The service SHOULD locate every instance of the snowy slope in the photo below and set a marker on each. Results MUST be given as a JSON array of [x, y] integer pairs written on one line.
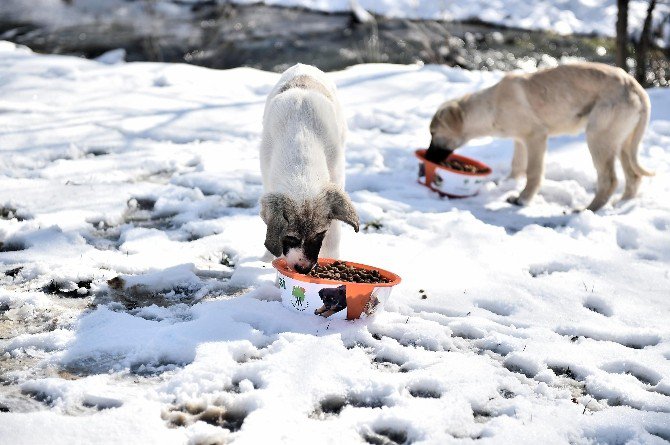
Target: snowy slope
[[560, 16], [539, 326]]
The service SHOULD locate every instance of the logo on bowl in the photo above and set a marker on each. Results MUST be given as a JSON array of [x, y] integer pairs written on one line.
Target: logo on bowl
[[298, 301]]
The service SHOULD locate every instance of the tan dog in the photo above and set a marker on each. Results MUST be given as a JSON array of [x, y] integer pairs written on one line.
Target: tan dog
[[606, 101]]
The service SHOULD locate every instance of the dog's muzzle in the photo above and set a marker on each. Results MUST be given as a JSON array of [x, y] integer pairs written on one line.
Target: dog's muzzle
[[304, 268], [437, 154]]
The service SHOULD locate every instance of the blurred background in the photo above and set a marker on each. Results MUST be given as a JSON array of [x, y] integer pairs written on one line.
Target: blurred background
[[334, 34]]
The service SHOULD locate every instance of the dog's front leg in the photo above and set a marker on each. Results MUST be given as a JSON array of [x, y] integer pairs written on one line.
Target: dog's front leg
[[536, 147], [328, 313], [330, 248], [320, 310], [519, 160]]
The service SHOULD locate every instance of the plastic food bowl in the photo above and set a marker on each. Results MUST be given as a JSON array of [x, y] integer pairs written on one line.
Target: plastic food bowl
[[306, 294], [449, 182]]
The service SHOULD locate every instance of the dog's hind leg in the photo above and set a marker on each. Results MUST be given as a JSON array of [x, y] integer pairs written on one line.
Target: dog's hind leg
[[631, 168], [603, 154], [519, 160], [536, 148], [633, 179]]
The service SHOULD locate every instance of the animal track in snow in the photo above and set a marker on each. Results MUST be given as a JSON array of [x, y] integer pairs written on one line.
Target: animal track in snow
[[517, 368], [663, 433], [333, 405], [662, 224], [101, 403], [498, 307], [386, 436], [482, 415], [598, 305], [425, 390], [216, 414], [10, 212], [537, 270], [627, 237], [641, 372], [12, 245], [69, 289], [631, 339]]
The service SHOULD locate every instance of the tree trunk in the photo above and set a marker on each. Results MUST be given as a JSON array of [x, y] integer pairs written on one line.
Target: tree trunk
[[643, 46], [622, 34]]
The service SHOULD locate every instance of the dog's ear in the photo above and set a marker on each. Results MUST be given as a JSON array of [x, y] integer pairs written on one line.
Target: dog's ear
[[451, 115], [341, 207], [276, 209]]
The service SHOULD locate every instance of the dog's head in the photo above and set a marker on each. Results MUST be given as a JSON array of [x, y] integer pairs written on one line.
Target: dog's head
[[296, 229], [334, 296], [446, 130]]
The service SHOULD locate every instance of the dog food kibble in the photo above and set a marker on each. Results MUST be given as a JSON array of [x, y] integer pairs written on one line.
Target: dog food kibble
[[462, 166], [339, 271]]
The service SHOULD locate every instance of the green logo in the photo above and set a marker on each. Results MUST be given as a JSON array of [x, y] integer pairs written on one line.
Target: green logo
[[299, 295]]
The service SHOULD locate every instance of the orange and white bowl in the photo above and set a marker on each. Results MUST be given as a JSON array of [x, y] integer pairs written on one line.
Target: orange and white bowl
[[449, 182], [300, 293]]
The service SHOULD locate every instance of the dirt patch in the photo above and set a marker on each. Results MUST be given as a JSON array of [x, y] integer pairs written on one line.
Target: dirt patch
[[214, 414], [13, 272], [69, 289], [11, 246], [7, 212]]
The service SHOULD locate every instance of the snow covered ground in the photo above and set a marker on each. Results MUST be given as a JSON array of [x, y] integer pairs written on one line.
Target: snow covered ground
[[561, 16], [538, 326]]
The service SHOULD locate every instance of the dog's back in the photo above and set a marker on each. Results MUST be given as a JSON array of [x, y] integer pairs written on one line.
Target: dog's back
[[563, 97], [303, 132]]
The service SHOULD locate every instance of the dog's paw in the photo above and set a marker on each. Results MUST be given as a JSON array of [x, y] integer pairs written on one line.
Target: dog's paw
[[516, 200], [328, 313]]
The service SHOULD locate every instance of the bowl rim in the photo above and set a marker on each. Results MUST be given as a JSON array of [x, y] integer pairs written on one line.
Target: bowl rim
[[282, 267], [421, 152]]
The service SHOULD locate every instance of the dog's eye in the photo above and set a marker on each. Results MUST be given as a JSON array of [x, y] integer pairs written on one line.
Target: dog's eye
[[291, 241]]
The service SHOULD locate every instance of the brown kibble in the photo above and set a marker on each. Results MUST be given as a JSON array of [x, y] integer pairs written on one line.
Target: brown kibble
[[461, 166], [339, 271]]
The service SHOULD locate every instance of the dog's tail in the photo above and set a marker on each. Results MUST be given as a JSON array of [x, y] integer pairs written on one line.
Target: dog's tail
[[632, 144]]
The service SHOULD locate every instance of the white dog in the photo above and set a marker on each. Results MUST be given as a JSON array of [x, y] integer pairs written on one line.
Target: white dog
[[302, 163]]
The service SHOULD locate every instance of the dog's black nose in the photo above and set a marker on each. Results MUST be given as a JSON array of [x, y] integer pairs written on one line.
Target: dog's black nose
[[303, 269], [437, 154]]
